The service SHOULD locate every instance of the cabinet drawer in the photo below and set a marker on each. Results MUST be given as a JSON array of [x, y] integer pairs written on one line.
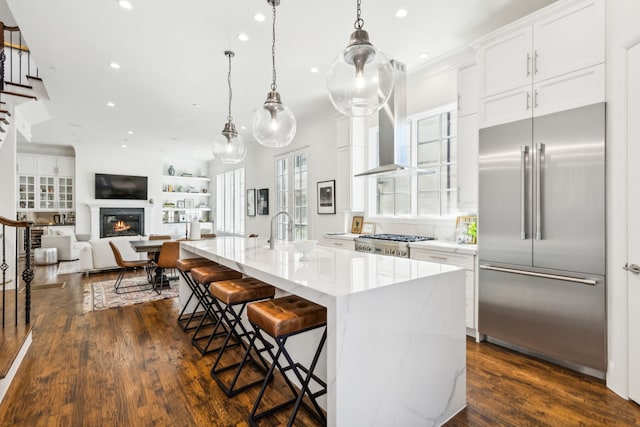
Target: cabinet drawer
[[465, 261], [343, 244]]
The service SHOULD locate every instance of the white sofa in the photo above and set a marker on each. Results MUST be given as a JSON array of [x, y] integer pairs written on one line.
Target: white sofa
[[66, 242], [98, 255]]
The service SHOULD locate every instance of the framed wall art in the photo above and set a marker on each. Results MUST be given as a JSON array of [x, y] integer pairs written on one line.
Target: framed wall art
[[180, 204], [327, 197], [262, 201], [356, 224], [188, 204], [251, 202]]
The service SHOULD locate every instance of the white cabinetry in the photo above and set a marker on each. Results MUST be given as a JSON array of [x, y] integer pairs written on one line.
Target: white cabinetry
[[185, 198], [45, 183], [550, 61], [468, 139], [349, 161], [466, 261], [345, 241]]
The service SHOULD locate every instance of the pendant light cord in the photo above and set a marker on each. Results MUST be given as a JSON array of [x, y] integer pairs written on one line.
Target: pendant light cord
[[273, 50], [359, 21], [229, 118]]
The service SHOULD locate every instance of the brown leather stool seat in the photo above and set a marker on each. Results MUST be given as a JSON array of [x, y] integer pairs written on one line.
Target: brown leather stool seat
[[186, 264], [213, 273], [282, 318], [188, 321], [287, 315], [203, 276], [231, 298]]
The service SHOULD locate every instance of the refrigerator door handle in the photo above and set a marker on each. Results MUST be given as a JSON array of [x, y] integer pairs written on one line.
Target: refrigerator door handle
[[524, 150], [581, 280], [539, 158]]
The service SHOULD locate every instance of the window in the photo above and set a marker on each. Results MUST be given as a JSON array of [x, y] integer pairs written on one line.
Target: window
[[230, 201], [292, 190], [435, 138], [433, 149]]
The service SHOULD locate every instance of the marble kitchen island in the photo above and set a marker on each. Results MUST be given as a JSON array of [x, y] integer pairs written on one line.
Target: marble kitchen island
[[395, 351]]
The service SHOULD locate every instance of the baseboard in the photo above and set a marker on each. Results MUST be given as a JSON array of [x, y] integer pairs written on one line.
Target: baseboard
[[6, 381]]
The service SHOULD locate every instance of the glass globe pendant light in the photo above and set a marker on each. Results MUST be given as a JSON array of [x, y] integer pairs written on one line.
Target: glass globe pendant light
[[273, 123], [360, 79], [228, 147]]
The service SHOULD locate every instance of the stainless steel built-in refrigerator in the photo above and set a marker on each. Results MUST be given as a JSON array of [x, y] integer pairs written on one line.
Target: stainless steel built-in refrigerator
[[541, 236]]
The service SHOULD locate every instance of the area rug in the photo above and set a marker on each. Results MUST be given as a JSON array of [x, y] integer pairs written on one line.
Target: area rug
[[68, 267], [102, 295]]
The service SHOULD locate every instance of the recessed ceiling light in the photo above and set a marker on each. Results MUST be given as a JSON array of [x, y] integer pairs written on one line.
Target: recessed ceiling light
[[243, 37], [196, 106], [110, 104], [130, 132], [125, 4], [258, 17], [243, 127], [401, 13], [424, 55], [114, 65], [124, 145], [314, 69]]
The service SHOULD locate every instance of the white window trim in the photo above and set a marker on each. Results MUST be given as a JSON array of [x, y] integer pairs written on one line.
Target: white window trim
[[371, 191], [289, 156]]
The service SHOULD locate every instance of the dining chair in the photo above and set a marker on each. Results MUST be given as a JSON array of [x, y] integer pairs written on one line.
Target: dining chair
[[128, 265], [167, 258]]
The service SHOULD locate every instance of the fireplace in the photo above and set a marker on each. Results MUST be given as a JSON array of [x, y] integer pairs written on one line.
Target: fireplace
[[121, 222]]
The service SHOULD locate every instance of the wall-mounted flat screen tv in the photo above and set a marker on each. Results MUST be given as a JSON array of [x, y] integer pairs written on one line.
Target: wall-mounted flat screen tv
[[122, 187]]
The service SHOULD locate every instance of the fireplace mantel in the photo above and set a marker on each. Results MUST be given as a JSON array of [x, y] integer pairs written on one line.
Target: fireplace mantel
[[94, 208]]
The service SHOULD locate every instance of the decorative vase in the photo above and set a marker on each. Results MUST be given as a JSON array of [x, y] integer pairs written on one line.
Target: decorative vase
[[195, 230], [172, 170]]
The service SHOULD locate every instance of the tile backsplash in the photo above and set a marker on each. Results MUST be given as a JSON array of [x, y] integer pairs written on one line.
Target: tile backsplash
[[442, 230]]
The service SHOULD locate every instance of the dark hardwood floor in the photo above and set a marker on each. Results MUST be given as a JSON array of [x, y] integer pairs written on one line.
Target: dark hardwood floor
[[133, 366]]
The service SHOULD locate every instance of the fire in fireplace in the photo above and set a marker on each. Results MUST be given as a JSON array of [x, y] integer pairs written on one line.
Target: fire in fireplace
[[121, 222]]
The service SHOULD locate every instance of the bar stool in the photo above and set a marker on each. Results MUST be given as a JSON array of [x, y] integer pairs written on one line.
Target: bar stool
[[204, 276], [282, 318], [231, 297], [184, 267]]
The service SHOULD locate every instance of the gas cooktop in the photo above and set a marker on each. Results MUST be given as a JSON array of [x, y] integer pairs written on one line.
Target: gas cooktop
[[398, 238]]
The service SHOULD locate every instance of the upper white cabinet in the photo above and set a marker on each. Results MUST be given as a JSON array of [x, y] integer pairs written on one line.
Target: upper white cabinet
[[550, 61], [45, 182], [467, 91], [350, 134], [505, 62]]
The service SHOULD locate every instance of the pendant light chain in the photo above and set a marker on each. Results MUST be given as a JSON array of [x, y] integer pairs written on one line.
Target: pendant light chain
[[229, 117], [359, 21], [273, 49]]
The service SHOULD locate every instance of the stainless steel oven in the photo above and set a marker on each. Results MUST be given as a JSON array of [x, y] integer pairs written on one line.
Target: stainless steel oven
[[388, 244]]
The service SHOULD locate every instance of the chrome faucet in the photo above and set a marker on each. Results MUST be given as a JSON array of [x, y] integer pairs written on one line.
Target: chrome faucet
[[273, 224]]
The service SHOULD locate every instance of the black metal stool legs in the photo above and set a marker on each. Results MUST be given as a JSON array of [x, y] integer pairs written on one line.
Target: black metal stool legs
[[298, 396], [235, 323]]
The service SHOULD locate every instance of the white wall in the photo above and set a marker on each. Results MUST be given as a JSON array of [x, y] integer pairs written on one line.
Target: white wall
[[622, 27], [116, 160], [319, 135]]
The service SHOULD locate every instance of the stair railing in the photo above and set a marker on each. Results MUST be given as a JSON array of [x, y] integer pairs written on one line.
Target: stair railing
[[15, 58], [27, 272]]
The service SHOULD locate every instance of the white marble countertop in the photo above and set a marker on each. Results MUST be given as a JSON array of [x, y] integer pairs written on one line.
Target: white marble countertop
[[329, 271], [446, 246]]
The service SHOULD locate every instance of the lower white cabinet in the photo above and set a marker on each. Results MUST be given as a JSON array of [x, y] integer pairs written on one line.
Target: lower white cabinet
[[337, 242], [466, 261]]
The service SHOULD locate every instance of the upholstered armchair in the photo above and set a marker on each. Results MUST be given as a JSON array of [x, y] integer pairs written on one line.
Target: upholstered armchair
[[67, 244]]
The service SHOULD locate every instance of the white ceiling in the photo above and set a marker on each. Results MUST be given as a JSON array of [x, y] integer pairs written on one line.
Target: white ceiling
[[171, 57]]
